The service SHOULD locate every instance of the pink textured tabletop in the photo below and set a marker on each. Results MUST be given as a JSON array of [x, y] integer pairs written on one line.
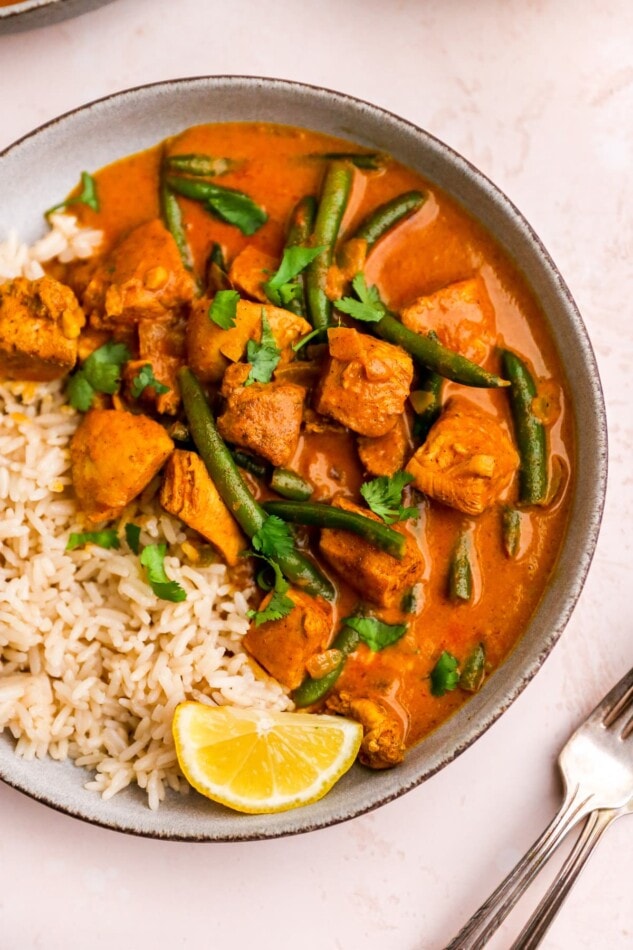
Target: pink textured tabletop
[[539, 96]]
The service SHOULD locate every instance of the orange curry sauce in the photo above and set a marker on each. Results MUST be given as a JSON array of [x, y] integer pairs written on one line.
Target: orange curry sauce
[[440, 244]]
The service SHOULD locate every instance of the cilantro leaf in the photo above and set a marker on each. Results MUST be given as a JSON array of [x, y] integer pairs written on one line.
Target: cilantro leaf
[[279, 289], [153, 560], [107, 538], [133, 536], [376, 634], [279, 605], [274, 538], [79, 392], [87, 196], [235, 208], [262, 356], [223, 309], [368, 308], [306, 339], [144, 378], [444, 675], [102, 369], [384, 497]]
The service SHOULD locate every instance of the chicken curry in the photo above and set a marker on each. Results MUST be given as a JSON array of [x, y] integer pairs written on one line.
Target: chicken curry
[[344, 387]]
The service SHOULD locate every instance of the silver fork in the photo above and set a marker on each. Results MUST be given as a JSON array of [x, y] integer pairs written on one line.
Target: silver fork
[[597, 769]]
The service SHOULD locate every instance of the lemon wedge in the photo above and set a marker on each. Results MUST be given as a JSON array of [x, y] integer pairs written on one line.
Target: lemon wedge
[[261, 762]]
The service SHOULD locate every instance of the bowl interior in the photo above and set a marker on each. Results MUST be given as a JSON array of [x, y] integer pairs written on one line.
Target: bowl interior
[[44, 165]]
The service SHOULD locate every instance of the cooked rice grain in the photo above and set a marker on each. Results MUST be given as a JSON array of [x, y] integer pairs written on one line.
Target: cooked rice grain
[[92, 663]]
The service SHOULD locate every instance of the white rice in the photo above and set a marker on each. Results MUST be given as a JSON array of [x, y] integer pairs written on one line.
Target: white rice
[[92, 663], [65, 241]]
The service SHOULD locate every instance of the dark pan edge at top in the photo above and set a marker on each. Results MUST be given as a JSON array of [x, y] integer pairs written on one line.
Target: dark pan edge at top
[[482, 710]]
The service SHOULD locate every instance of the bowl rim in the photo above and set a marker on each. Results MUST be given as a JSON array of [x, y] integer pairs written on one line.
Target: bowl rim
[[502, 697]]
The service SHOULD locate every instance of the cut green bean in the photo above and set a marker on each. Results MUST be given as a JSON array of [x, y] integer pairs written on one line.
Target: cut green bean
[[427, 400], [387, 216], [249, 463], [300, 228], [333, 202], [291, 485], [460, 575], [232, 488], [313, 690], [474, 670], [171, 214], [328, 516], [228, 204], [370, 161], [433, 356], [529, 431], [511, 530], [204, 166]]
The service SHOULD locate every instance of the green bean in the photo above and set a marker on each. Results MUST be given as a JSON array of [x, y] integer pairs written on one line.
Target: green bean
[[427, 400], [529, 431], [172, 217], [232, 489], [312, 690], [367, 160], [300, 228], [387, 216], [216, 276], [433, 356], [460, 575], [511, 530], [334, 197], [249, 463], [328, 516], [228, 204], [290, 485], [205, 166], [474, 669]]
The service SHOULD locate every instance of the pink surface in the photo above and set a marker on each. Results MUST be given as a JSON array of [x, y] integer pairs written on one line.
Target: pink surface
[[539, 96]]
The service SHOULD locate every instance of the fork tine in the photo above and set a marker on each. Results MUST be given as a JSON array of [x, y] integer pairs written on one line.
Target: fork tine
[[616, 700]]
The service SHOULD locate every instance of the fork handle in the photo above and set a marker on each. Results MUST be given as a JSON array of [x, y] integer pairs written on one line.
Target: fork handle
[[541, 919], [485, 921]]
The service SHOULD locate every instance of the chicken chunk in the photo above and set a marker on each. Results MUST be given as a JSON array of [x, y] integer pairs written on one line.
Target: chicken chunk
[[467, 461], [161, 346], [114, 455], [284, 646], [210, 349], [263, 417], [461, 315], [142, 278], [386, 454], [366, 382], [40, 321], [383, 741], [188, 492], [250, 269], [378, 576]]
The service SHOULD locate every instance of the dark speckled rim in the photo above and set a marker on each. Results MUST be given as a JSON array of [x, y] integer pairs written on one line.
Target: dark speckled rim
[[144, 115], [31, 14]]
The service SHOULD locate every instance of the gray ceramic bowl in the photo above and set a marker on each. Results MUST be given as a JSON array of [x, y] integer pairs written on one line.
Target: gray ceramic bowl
[[31, 14], [44, 165]]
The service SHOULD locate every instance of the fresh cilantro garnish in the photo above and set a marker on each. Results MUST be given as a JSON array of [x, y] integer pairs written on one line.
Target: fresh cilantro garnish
[[279, 289], [223, 309], [87, 196], [153, 560], [100, 373], [144, 378], [384, 497], [368, 307], [376, 634], [236, 208], [274, 538], [262, 356], [279, 605], [444, 675], [107, 538], [305, 340], [133, 536]]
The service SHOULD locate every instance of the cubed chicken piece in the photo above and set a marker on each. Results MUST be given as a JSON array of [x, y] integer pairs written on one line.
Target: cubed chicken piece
[[386, 454], [283, 647], [461, 315], [188, 492], [467, 461], [210, 349], [263, 417], [250, 269], [114, 456], [383, 741], [162, 346], [143, 277], [40, 321], [350, 261], [378, 576], [366, 382]]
